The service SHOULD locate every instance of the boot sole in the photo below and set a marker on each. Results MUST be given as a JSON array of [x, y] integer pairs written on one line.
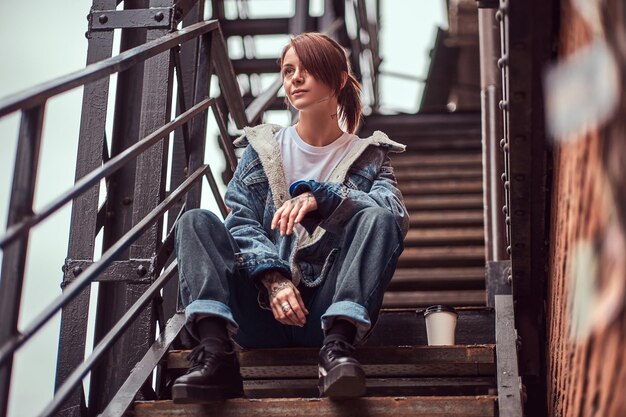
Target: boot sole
[[189, 393], [343, 381]]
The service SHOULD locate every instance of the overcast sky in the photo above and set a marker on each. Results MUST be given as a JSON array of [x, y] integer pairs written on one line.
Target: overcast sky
[[42, 40]]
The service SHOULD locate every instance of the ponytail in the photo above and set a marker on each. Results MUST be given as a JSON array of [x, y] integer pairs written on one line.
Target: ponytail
[[349, 101]]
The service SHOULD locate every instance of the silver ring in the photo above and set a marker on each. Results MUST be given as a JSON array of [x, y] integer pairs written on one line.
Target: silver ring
[[285, 306]]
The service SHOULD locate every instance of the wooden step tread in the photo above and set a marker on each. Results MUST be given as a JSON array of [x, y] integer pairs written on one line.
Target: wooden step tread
[[407, 299], [441, 187], [445, 236], [446, 218], [459, 159], [436, 173], [439, 406], [453, 386], [442, 256], [383, 361], [432, 279], [443, 202], [407, 326]]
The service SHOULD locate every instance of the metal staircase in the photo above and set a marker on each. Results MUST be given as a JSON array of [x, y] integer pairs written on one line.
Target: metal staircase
[[440, 175]]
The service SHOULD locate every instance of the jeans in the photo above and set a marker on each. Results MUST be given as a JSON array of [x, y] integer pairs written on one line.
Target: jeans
[[212, 285]]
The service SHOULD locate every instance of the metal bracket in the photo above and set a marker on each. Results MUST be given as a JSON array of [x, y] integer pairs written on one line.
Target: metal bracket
[[132, 271], [153, 18]]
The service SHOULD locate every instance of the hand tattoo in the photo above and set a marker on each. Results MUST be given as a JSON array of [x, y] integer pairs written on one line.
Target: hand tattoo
[[279, 288]]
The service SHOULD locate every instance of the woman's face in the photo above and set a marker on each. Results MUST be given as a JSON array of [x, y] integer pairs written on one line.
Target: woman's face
[[302, 89]]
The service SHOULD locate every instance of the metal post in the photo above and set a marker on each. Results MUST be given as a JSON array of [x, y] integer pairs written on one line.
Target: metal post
[[492, 133], [73, 332], [112, 296], [14, 256]]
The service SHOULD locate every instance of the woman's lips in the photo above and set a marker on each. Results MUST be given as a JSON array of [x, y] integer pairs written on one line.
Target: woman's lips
[[297, 92]]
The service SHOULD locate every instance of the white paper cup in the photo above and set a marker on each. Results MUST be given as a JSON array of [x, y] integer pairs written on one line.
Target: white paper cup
[[440, 325]]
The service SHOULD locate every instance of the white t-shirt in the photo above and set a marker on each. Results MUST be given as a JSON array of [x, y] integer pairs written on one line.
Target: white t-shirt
[[306, 162]]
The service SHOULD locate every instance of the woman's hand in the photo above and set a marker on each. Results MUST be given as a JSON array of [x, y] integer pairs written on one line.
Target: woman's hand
[[293, 211], [285, 301]]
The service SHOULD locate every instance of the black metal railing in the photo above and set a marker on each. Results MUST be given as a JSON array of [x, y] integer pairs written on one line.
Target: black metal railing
[[212, 56], [22, 218]]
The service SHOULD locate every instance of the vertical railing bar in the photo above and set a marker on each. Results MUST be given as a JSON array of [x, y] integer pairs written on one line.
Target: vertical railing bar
[[231, 158], [162, 255], [216, 193], [182, 102], [14, 256]]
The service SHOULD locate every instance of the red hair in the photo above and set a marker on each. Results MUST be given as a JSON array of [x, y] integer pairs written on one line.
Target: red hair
[[327, 61]]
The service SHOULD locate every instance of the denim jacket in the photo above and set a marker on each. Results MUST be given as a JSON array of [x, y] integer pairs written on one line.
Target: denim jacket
[[363, 179]]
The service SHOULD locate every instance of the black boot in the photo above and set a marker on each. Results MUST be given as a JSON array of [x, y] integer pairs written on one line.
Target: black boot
[[213, 375], [340, 374]]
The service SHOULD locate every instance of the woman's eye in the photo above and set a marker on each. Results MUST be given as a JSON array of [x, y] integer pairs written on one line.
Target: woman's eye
[[288, 71]]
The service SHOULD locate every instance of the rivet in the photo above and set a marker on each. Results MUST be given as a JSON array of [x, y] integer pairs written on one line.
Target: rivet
[[502, 142], [508, 221], [503, 177], [503, 61], [103, 19], [505, 210], [141, 270], [509, 279], [505, 148], [507, 185], [77, 270], [499, 15], [159, 16], [508, 250], [504, 105]]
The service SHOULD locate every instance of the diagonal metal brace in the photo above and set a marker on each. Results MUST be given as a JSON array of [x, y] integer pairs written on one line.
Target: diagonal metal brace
[[152, 18]]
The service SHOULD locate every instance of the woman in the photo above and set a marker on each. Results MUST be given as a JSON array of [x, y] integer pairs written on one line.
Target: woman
[[312, 240]]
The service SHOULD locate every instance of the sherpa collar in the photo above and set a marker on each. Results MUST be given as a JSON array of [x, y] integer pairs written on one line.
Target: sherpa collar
[[261, 138]]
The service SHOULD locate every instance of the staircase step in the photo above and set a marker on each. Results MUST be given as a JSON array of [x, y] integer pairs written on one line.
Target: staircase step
[[406, 299], [440, 406], [307, 388], [458, 160], [445, 256], [443, 202], [251, 27], [453, 144], [447, 218], [445, 236], [442, 187], [438, 279], [256, 65], [406, 326], [384, 361], [437, 173]]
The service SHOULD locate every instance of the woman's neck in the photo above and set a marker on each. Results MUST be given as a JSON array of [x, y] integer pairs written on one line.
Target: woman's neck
[[318, 129]]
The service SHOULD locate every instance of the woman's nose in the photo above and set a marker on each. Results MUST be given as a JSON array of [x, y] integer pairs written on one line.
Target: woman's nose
[[298, 76]]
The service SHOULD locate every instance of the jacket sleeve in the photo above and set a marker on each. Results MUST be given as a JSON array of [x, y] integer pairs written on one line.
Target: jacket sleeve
[[338, 203], [259, 252]]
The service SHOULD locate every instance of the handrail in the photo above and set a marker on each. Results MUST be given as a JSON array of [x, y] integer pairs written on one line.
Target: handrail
[[105, 170], [107, 341], [38, 95], [98, 267]]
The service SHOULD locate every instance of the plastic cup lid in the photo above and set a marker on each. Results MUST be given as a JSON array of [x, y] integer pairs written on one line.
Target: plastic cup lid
[[439, 308]]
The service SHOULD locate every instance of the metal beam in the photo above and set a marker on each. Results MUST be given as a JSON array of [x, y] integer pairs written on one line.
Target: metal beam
[[14, 256]]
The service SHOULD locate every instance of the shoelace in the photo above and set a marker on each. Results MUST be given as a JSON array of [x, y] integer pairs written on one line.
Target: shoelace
[[338, 349], [200, 357]]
